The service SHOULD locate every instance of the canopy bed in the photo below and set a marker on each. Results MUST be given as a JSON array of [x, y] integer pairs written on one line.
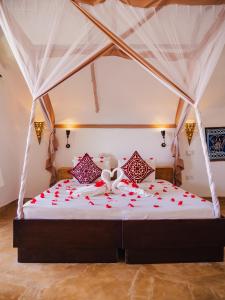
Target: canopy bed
[[177, 42]]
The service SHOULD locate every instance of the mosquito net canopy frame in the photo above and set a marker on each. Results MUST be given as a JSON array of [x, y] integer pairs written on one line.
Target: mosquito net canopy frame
[[177, 42]]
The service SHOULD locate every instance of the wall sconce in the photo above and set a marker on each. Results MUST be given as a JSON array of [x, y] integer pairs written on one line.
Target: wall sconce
[[189, 130], [163, 133], [39, 127], [67, 138]]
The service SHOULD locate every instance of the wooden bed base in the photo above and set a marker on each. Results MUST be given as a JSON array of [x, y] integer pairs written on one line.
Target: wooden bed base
[[67, 240], [143, 241], [152, 241]]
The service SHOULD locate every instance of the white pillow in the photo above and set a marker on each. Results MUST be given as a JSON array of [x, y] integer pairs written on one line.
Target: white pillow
[[151, 161]]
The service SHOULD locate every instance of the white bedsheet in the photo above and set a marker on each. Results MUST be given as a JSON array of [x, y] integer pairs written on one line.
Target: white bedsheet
[[166, 201]]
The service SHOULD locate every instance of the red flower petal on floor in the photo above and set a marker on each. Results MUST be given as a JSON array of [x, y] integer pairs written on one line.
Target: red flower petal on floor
[[123, 195], [33, 201], [108, 206], [180, 203], [135, 185], [91, 202], [133, 200], [155, 205], [87, 198], [42, 195], [172, 199], [99, 183], [130, 205]]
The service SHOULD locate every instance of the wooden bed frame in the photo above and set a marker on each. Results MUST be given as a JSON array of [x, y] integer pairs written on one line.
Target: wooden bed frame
[[143, 241]]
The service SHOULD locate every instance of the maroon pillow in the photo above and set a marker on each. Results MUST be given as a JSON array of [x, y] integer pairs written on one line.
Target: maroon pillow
[[86, 171], [136, 169]]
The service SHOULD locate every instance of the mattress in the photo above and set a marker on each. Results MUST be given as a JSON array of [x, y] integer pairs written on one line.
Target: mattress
[[165, 201]]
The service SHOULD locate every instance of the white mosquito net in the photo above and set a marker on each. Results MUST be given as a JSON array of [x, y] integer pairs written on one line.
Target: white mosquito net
[[178, 42]]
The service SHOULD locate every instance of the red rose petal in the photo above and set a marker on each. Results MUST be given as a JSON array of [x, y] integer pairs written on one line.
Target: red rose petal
[[48, 191], [54, 203], [135, 185], [156, 193], [139, 196], [192, 196], [159, 198], [203, 200], [131, 193], [91, 202], [172, 199], [108, 206], [123, 195], [33, 201], [87, 198], [42, 195], [106, 194], [180, 203], [126, 181], [130, 205], [99, 183], [155, 205], [133, 200]]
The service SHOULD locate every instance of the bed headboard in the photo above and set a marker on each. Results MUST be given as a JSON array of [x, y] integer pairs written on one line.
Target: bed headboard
[[161, 173]]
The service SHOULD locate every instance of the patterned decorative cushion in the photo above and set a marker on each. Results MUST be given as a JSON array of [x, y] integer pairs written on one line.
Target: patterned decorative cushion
[[136, 169], [86, 171]]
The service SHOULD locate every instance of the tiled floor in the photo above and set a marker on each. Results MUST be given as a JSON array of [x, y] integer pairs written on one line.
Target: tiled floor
[[103, 281]]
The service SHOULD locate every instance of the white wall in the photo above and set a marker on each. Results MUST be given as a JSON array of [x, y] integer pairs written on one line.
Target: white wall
[[127, 89], [13, 120], [212, 109]]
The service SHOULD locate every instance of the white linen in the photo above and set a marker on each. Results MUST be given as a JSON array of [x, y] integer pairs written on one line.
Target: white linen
[[165, 202], [90, 189]]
